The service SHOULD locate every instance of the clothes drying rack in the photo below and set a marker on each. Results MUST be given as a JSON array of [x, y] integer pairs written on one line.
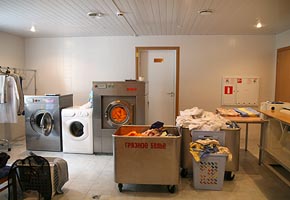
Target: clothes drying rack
[[3, 141], [17, 70]]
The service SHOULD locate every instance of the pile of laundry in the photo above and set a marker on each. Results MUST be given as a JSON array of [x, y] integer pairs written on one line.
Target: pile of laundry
[[156, 129], [196, 118], [229, 112], [238, 112], [150, 132], [203, 147], [247, 112]]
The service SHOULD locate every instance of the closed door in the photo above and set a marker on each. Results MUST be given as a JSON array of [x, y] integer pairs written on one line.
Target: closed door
[[158, 69], [282, 92]]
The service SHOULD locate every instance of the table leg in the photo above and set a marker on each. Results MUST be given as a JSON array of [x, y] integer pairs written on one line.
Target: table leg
[[261, 147], [246, 142]]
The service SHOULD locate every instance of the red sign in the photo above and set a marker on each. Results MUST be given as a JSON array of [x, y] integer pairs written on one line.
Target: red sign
[[228, 90], [145, 145], [239, 80], [131, 89]]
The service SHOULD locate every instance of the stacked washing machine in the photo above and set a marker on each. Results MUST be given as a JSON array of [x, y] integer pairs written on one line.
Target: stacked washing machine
[[77, 130]]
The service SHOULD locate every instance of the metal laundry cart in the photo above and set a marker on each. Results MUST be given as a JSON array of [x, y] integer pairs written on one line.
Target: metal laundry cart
[[147, 159], [232, 141]]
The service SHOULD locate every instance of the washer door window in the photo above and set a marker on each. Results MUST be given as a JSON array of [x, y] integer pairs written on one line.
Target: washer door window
[[119, 113], [76, 129], [42, 122]]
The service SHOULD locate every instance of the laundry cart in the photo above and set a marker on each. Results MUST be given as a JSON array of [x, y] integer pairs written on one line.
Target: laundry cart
[[232, 141], [153, 160]]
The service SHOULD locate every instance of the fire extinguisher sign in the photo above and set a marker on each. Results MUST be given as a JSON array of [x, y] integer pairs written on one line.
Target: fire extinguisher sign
[[228, 90]]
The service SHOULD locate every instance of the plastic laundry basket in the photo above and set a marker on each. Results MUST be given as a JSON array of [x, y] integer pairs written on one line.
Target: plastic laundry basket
[[209, 172]]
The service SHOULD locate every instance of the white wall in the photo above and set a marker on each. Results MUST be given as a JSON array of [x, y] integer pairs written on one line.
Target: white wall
[[283, 39], [11, 55], [11, 50], [69, 65]]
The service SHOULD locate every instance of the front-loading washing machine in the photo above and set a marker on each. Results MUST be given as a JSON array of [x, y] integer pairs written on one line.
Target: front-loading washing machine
[[115, 104], [43, 121], [77, 130]]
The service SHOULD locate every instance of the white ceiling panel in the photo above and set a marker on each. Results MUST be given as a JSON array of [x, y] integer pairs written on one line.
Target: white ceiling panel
[[65, 18]]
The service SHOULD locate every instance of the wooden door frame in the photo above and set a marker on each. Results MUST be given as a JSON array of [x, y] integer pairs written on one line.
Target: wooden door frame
[[177, 60], [279, 89]]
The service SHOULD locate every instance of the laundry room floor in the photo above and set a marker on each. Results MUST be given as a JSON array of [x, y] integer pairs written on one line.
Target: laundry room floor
[[92, 177]]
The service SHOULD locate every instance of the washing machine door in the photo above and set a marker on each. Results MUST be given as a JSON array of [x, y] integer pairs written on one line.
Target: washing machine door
[[42, 122], [76, 129], [119, 113]]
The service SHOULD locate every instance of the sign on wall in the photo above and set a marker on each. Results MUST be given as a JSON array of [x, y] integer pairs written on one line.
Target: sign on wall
[[241, 91]]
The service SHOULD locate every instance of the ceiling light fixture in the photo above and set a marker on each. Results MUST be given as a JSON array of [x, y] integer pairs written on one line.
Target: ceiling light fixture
[[120, 14], [95, 14], [259, 25], [32, 29], [205, 12]]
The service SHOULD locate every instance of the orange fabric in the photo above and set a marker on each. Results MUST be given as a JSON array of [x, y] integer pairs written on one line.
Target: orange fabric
[[119, 114], [133, 133]]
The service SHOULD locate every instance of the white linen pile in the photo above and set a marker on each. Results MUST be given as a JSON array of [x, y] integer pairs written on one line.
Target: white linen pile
[[196, 118]]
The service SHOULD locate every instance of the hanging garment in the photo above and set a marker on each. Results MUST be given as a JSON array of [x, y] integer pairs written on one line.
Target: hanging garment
[[17, 78], [8, 110], [2, 88]]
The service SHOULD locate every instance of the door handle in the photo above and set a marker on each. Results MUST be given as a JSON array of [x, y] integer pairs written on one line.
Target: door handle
[[171, 94]]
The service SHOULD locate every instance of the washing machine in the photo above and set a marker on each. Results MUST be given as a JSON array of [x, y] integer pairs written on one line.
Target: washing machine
[[116, 103], [43, 121], [77, 130]]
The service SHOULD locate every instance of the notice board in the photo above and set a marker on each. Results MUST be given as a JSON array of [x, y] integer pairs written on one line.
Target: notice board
[[240, 91]]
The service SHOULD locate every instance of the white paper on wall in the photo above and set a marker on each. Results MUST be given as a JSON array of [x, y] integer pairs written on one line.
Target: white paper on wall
[[242, 91]]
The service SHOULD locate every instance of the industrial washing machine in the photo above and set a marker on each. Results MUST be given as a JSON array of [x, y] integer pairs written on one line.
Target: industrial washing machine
[[43, 121], [116, 104]]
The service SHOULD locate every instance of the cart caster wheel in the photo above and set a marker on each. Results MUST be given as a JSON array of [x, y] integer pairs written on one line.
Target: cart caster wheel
[[120, 186], [229, 176], [171, 188], [183, 173]]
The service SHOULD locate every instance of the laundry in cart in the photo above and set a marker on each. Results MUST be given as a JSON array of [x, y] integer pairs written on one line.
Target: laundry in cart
[[194, 120], [147, 156]]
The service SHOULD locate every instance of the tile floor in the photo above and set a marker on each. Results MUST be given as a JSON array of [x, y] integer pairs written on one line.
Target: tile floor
[[92, 177]]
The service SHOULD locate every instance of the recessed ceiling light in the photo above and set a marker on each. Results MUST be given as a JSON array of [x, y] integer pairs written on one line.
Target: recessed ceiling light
[[259, 25], [120, 14], [32, 29], [205, 12]]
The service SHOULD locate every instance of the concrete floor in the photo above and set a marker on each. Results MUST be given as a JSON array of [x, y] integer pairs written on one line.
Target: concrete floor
[[92, 177]]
